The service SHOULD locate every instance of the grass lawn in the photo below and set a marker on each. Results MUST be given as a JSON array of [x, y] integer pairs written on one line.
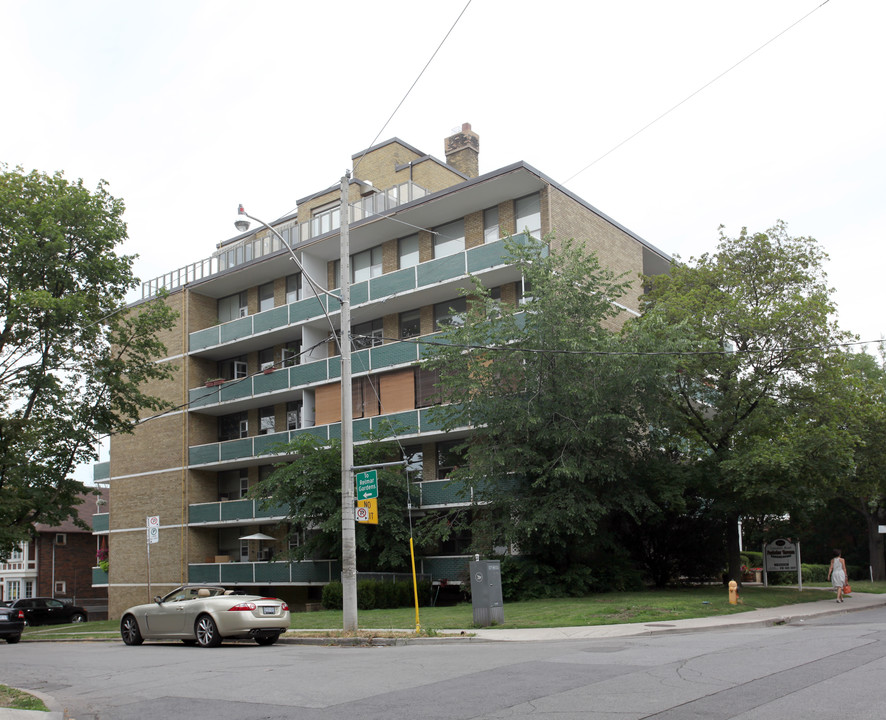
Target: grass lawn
[[20, 700], [602, 609]]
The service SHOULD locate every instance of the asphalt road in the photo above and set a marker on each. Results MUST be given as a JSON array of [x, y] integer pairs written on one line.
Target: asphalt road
[[826, 668]]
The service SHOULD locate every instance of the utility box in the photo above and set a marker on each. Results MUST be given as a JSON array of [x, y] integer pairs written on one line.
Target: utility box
[[486, 592]]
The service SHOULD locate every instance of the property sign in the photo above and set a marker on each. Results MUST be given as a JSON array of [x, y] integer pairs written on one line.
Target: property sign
[[780, 556], [367, 511], [153, 529], [367, 485]]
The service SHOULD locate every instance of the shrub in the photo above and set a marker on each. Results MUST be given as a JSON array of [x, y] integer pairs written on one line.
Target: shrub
[[332, 596]]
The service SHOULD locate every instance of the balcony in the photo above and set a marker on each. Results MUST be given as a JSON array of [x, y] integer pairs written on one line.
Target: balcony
[[99, 577], [426, 274], [234, 512], [318, 372], [307, 572], [452, 568], [410, 422], [101, 524]]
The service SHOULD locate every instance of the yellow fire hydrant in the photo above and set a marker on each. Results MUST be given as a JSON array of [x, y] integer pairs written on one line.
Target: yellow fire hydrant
[[733, 592]]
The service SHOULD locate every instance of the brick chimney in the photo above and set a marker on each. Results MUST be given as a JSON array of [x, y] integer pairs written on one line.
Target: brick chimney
[[463, 151]]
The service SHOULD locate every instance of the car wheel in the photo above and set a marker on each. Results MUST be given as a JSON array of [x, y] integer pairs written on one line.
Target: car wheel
[[13, 639], [130, 632], [267, 639], [207, 632], [78, 618]]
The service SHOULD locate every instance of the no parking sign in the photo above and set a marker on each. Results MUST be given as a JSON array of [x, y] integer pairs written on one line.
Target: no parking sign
[[153, 529]]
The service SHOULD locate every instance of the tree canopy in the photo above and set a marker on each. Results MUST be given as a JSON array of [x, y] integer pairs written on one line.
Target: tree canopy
[[562, 411], [73, 361], [760, 317]]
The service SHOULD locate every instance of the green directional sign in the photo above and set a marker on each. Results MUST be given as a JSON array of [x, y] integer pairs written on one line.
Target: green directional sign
[[367, 484]]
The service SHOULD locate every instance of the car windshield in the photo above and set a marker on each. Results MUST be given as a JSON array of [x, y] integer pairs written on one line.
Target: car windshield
[[191, 593]]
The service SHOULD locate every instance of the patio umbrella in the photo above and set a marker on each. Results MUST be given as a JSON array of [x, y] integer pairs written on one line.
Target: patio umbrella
[[258, 536]]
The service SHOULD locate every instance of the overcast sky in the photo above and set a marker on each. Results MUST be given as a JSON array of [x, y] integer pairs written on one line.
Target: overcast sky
[[189, 108]]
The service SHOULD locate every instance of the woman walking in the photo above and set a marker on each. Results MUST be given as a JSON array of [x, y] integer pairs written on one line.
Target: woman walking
[[837, 574]]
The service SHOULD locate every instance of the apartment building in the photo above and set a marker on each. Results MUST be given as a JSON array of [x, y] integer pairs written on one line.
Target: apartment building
[[255, 361]]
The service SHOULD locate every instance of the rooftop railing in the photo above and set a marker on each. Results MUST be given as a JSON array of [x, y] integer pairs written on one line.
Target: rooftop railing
[[261, 243]]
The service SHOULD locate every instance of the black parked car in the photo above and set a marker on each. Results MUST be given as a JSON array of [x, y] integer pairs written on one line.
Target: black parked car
[[12, 622], [48, 611]]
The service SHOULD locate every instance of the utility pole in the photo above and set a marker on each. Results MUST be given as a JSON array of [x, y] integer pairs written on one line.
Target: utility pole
[[348, 533]]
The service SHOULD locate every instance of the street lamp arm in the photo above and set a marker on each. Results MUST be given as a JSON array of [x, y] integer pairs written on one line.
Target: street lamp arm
[[317, 289]]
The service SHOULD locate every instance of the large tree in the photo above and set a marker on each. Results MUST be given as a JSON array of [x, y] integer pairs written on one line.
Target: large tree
[[73, 361], [561, 413], [760, 316]]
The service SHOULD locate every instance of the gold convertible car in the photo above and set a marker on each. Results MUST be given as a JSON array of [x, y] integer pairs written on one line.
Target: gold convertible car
[[205, 615]]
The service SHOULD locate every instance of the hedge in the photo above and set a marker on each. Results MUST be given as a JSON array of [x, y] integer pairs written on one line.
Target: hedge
[[378, 594]]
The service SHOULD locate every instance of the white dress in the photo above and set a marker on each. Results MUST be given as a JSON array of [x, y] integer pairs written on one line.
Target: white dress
[[838, 577]]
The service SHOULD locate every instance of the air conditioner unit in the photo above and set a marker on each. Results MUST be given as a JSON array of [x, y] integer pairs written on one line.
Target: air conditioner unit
[[267, 365], [244, 312]]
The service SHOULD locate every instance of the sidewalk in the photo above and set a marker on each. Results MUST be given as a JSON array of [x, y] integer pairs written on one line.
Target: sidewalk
[[783, 615]]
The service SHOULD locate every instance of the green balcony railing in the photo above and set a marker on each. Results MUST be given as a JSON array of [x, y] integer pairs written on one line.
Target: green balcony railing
[[233, 510], [100, 523], [261, 445], [307, 572], [377, 289], [99, 577]]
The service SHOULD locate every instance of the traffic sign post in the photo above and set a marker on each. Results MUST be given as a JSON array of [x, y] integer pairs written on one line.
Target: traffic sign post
[[153, 527], [367, 484]]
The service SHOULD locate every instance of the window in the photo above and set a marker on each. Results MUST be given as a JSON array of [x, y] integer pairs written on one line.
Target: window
[[325, 218], [407, 251], [414, 462], [291, 353], [29, 588], [233, 368], [368, 334], [448, 458], [61, 539], [449, 239], [266, 359], [265, 297], [450, 313], [13, 589], [266, 420], [59, 588], [293, 414], [232, 427], [528, 214], [366, 264], [490, 225], [232, 307], [293, 288], [233, 484], [17, 554], [426, 387], [410, 324]]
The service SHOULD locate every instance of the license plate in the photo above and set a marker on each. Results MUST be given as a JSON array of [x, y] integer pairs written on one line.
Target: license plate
[[268, 610], [4, 617]]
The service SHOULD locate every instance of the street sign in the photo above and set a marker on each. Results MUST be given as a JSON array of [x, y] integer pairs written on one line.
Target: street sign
[[367, 484], [153, 529], [367, 511]]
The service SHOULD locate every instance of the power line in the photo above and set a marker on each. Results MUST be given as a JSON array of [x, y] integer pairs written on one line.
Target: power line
[[689, 97], [445, 37]]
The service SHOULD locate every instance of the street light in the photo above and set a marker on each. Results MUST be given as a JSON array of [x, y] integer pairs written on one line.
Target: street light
[[348, 533]]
